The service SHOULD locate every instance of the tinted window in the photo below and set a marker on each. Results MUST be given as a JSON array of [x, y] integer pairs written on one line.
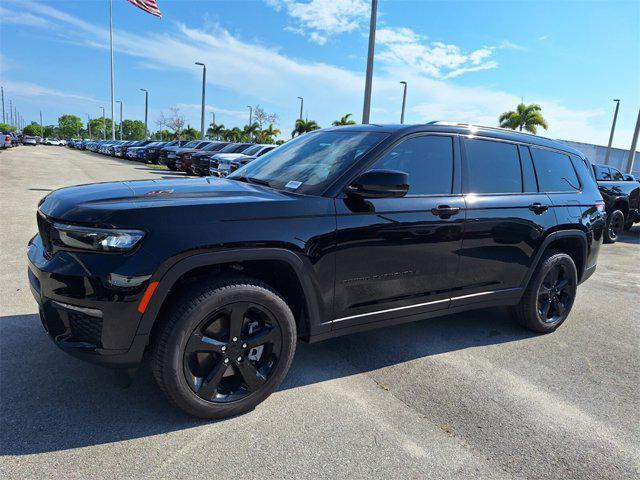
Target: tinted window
[[602, 172], [616, 175], [555, 171], [428, 160], [528, 173], [492, 167]]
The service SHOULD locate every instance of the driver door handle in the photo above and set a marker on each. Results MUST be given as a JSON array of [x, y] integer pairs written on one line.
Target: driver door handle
[[538, 207], [445, 211]]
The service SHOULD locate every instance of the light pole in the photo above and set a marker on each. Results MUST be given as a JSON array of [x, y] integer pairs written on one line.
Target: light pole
[[120, 102], [204, 82], [89, 126], [301, 106], [146, 111], [11, 112], [613, 128], [104, 125], [250, 114], [113, 88], [4, 118], [366, 109], [404, 101], [41, 126], [634, 144]]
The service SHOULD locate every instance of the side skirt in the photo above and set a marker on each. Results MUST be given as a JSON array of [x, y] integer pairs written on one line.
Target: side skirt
[[458, 304]]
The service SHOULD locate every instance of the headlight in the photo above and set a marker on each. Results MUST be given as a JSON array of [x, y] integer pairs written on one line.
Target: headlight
[[102, 240]]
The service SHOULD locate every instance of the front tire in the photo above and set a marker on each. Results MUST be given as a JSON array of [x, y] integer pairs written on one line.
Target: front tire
[[615, 225], [224, 348], [547, 301]]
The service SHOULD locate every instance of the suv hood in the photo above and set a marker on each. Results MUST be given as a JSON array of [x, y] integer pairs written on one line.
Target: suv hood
[[99, 203]]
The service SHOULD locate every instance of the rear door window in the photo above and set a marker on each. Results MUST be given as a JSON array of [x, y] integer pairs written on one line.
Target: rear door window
[[492, 167], [555, 171]]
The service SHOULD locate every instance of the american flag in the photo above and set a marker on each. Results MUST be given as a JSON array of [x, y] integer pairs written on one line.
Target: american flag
[[149, 6]]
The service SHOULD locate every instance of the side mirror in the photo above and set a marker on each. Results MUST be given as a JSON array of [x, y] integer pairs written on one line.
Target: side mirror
[[380, 184]]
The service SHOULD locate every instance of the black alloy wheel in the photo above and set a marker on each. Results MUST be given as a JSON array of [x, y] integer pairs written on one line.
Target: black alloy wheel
[[555, 294], [615, 226], [224, 345], [233, 352], [548, 298]]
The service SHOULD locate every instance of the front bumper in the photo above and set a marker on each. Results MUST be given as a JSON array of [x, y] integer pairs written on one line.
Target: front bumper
[[82, 312]]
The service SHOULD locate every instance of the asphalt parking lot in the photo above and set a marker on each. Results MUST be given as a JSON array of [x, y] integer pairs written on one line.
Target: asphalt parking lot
[[464, 396]]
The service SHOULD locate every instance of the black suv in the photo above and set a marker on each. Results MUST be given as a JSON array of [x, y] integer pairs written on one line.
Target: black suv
[[621, 195], [336, 231]]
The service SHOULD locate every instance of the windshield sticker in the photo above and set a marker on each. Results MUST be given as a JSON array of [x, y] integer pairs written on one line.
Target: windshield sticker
[[293, 185]]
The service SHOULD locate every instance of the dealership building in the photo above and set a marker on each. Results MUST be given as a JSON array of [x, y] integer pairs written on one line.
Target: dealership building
[[618, 157]]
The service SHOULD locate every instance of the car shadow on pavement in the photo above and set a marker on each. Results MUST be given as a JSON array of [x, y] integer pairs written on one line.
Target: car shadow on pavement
[[631, 236], [51, 401]]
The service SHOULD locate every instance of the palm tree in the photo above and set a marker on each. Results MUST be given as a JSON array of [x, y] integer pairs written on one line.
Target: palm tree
[[344, 121], [266, 135], [304, 126], [250, 131], [235, 135], [528, 117], [216, 130]]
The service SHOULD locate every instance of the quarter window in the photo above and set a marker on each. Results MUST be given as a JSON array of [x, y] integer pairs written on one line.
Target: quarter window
[[428, 160], [602, 172], [492, 167], [616, 175], [555, 171]]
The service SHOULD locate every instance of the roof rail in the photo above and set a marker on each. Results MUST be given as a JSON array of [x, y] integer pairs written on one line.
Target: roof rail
[[498, 129]]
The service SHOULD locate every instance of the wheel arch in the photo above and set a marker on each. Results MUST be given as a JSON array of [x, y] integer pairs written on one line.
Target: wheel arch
[[572, 242], [622, 204], [298, 270]]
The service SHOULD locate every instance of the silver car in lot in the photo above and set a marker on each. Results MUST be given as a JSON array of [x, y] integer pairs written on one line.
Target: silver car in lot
[[28, 140], [220, 164]]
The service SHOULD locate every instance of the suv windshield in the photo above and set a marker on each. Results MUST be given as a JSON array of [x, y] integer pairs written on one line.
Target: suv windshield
[[252, 150], [191, 144], [311, 162]]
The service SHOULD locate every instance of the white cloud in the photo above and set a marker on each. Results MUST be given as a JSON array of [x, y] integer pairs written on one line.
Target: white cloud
[[320, 19], [30, 90], [265, 75], [402, 47], [21, 18]]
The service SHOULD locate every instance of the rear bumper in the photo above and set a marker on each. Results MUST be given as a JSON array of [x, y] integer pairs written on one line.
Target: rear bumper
[[81, 313]]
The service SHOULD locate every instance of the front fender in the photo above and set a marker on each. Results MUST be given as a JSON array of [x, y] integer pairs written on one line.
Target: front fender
[[168, 275]]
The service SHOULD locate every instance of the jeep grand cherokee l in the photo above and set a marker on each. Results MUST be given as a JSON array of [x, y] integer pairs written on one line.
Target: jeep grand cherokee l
[[336, 231]]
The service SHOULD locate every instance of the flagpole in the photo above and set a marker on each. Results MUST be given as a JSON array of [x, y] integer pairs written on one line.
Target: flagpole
[[113, 88]]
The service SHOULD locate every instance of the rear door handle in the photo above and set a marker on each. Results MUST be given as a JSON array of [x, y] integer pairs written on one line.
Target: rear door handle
[[538, 207], [445, 211]]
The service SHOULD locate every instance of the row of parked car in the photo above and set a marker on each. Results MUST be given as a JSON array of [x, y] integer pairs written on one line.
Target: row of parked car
[[12, 139], [195, 157]]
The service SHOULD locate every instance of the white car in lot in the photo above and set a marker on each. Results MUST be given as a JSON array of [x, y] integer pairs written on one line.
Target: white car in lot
[[220, 164], [53, 141]]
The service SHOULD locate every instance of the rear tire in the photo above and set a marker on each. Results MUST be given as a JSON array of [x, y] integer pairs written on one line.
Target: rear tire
[[547, 300], [614, 226], [223, 348]]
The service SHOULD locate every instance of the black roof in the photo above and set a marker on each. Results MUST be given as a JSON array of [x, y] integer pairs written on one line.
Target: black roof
[[463, 129]]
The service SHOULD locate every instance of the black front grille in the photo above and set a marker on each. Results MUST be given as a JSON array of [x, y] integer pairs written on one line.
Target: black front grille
[[84, 328], [45, 227]]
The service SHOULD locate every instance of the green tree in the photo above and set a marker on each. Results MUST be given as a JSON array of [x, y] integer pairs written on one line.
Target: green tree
[[304, 126], [133, 129], [250, 131], [190, 133], [33, 130], [268, 134], [345, 120], [528, 117], [234, 135], [51, 131], [162, 135], [69, 126], [215, 131], [5, 127]]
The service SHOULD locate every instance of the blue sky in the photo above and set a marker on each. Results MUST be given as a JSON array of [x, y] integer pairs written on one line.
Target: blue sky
[[464, 61]]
